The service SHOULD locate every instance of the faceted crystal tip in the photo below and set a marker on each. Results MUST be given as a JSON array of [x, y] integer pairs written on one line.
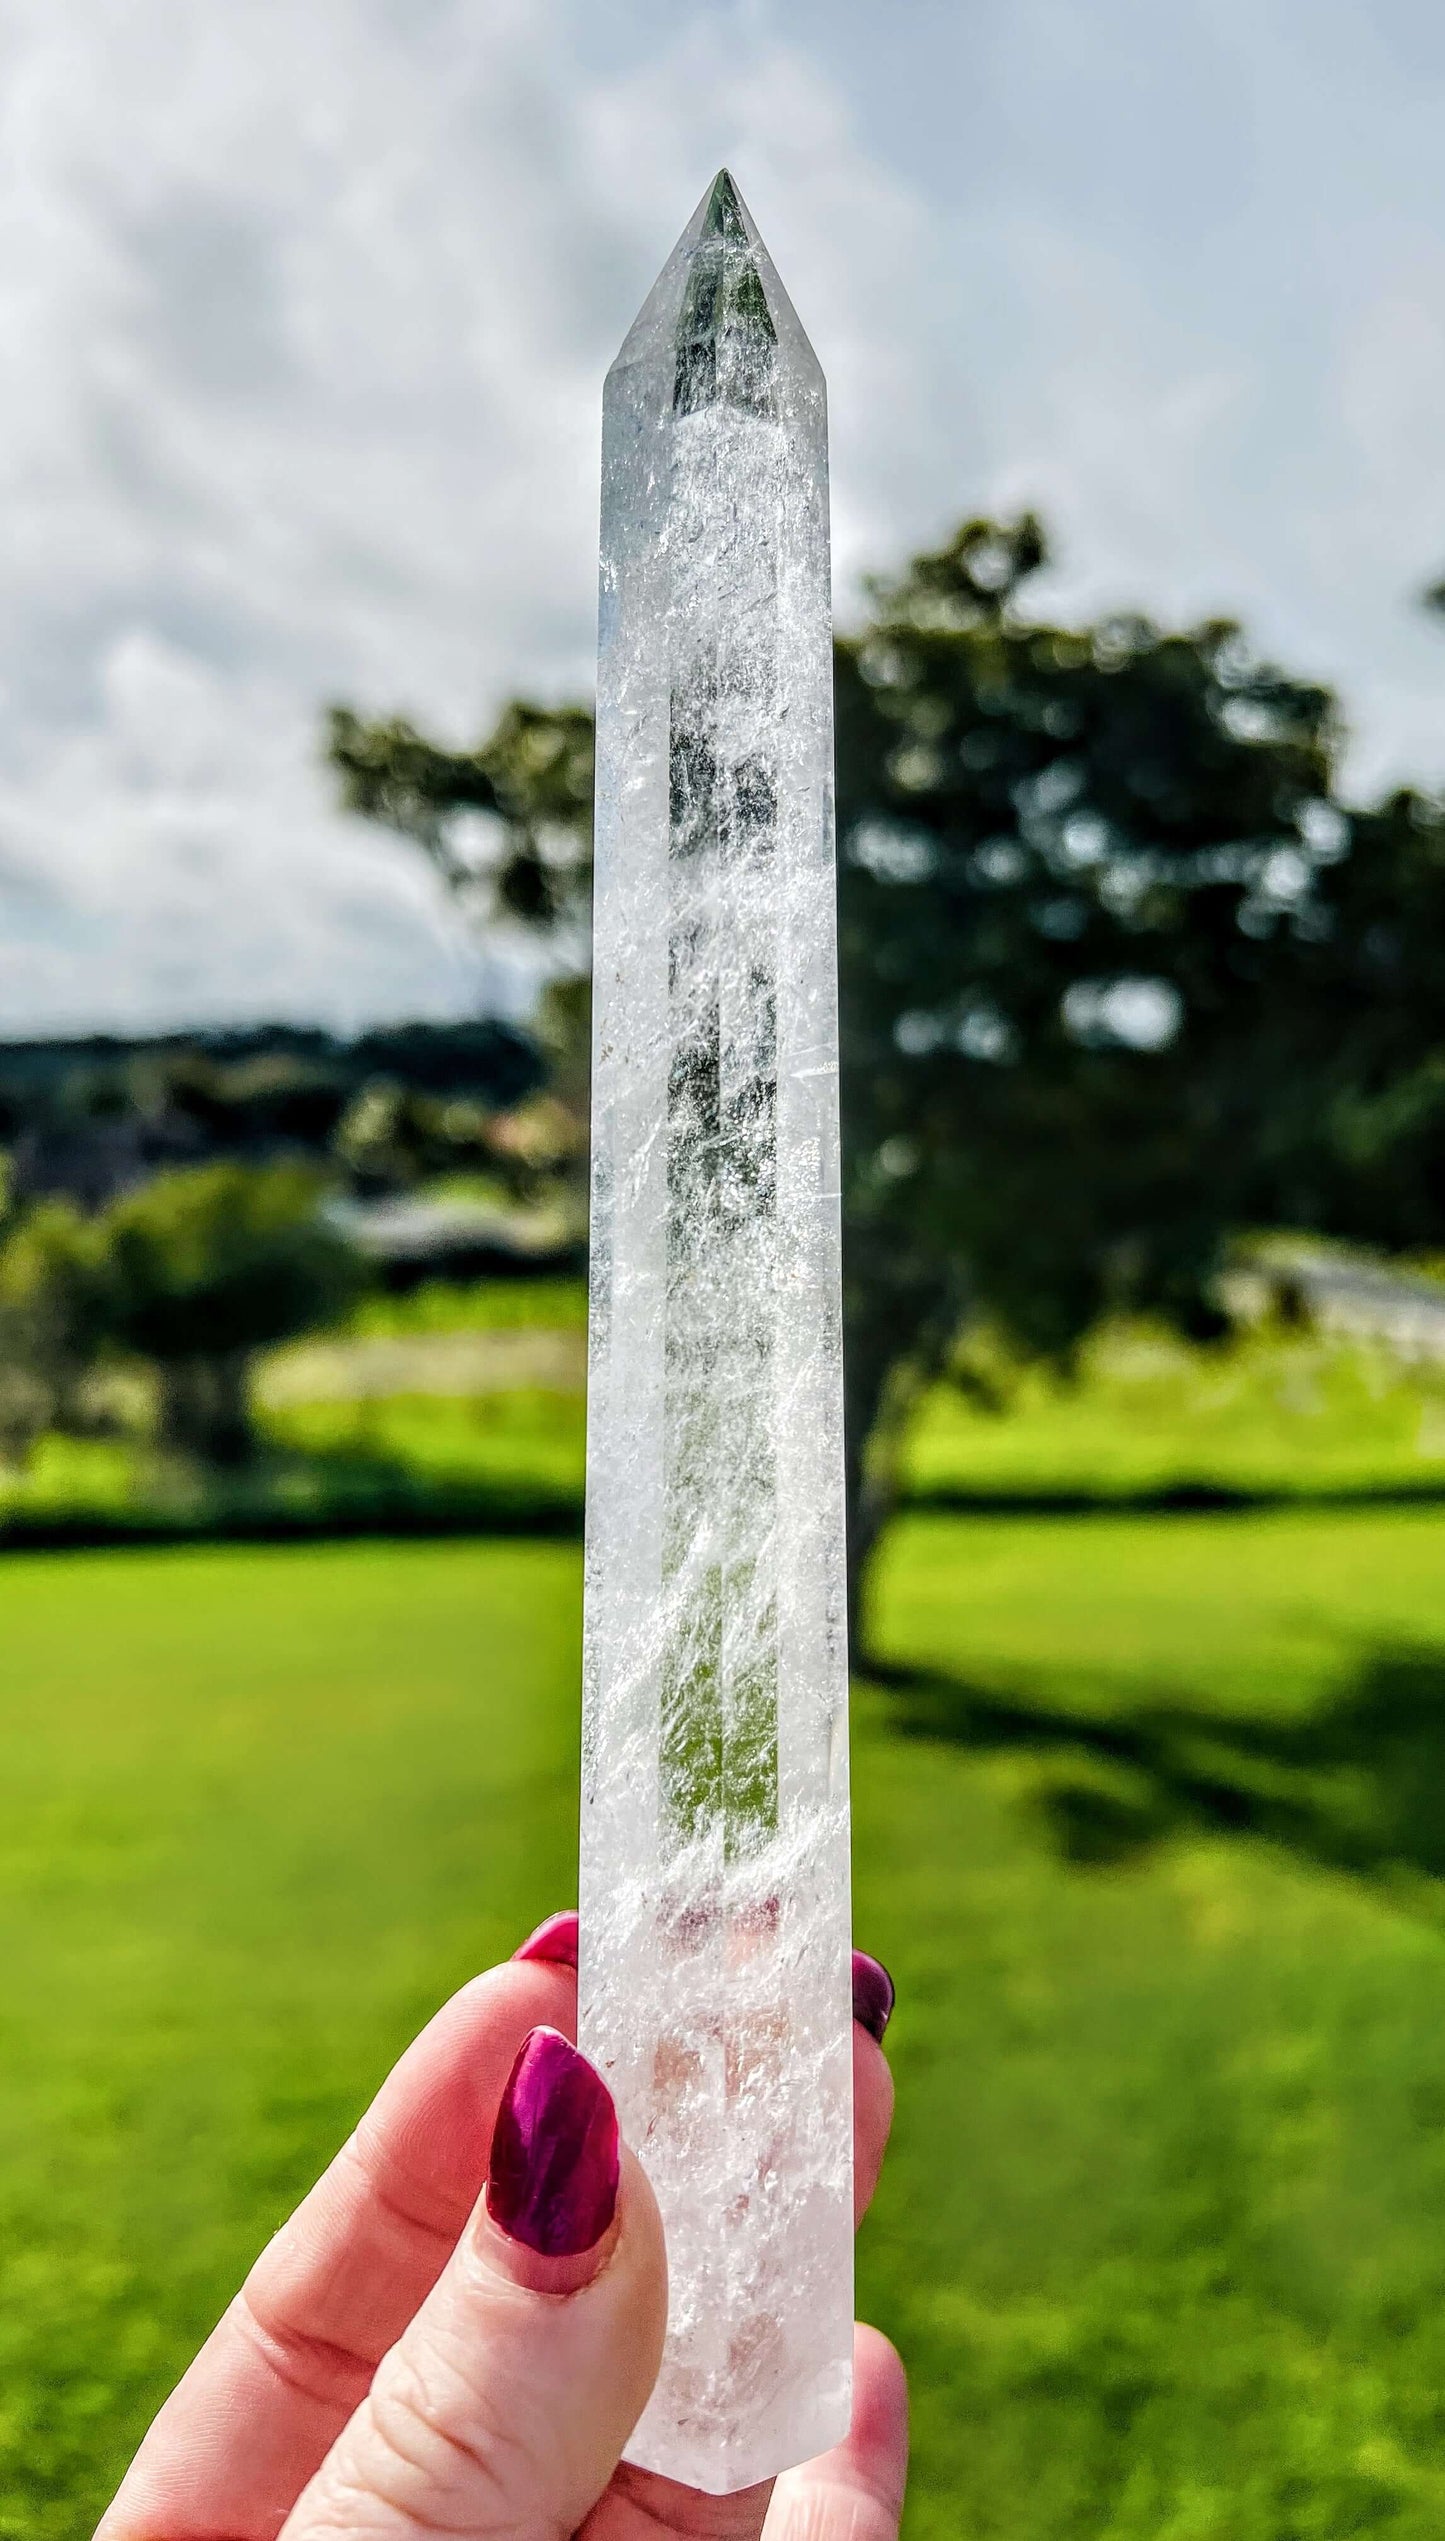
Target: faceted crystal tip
[[724, 215], [726, 340], [717, 328]]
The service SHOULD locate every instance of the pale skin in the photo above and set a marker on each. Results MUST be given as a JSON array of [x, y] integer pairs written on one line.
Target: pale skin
[[397, 2368]]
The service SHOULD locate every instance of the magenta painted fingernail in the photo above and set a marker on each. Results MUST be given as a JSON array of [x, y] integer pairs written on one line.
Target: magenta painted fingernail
[[552, 2177], [873, 1994], [555, 1940]]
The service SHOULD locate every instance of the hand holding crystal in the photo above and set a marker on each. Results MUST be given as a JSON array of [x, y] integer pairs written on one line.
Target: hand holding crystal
[[458, 2328]]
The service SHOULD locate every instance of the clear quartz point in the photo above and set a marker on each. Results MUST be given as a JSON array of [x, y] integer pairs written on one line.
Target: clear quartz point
[[715, 1975]]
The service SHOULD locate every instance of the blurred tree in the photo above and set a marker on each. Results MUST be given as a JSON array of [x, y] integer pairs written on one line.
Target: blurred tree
[[505, 825], [508, 828], [56, 1317], [255, 1107], [1079, 869], [488, 1063], [1119, 975], [392, 1138], [1372, 1016], [209, 1267]]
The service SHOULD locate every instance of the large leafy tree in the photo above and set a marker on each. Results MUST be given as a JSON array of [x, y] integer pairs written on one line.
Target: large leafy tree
[[1120, 975]]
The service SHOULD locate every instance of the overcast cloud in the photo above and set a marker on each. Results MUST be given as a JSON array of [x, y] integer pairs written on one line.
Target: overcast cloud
[[304, 307]]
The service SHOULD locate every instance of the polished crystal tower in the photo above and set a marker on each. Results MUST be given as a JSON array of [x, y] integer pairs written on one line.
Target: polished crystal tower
[[714, 1885]]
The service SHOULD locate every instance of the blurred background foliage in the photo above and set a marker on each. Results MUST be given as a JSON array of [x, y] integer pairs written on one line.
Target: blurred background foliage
[[1124, 980], [1123, 984], [1121, 977]]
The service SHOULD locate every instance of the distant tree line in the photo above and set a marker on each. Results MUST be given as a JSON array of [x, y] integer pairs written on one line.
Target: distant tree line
[[87, 1119]]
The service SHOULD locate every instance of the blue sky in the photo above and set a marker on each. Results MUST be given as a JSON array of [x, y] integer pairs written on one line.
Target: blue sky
[[303, 317]]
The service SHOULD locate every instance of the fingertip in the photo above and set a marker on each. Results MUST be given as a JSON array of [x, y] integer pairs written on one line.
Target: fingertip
[[553, 2170], [554, 1941], [878, 2436], [880, 2377], [857, 2488], [872, 2116]]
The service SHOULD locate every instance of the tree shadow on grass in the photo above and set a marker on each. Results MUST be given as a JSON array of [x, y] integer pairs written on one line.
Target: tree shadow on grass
[[1357, 1785]]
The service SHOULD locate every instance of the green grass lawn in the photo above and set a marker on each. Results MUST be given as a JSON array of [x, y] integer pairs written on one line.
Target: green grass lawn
[[1276, 1414], [1289, 1413], [483, 1305], [1150, 1825]]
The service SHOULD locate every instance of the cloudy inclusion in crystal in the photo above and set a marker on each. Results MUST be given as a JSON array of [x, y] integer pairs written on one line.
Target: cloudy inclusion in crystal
[[714, 1886]]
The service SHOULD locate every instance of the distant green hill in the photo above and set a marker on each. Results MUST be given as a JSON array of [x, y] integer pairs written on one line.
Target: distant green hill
[[91, 1116]]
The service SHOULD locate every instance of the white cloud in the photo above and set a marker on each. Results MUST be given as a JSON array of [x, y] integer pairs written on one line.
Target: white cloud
[[303, 318]]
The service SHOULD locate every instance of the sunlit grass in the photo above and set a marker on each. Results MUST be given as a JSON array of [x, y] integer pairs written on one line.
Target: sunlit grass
[[1163, 2234], [490, 1305], [523, 1437], [1272, 1414], [1268, 1412]]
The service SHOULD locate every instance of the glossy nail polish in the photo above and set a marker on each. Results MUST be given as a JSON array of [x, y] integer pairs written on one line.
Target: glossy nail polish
[[873, 1995], [552, 2177], [554, 1940]]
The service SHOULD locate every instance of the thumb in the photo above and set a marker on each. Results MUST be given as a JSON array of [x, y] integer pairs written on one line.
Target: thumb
[[505, 2405]]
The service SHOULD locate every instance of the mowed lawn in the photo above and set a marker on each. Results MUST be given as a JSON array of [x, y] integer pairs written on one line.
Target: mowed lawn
[[1151, 1828]]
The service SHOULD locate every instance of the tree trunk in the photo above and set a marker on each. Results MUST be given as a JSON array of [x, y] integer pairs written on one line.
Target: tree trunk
[[870, 1491], [891, 1355], [205, 1410]]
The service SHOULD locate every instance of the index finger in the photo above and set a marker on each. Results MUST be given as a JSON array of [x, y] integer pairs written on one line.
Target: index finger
[[292, 2358]]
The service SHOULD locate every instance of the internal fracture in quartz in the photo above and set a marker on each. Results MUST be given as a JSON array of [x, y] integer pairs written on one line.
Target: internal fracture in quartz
[[715, 1910]]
